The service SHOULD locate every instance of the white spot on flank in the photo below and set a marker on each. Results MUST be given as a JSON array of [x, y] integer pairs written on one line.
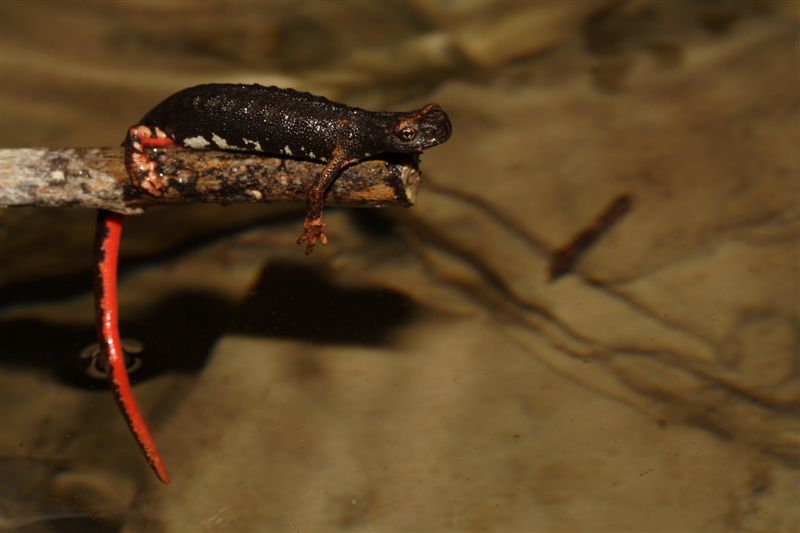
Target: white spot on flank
[[222, 143], [287, 150], [256, 144], [197, 143], [312, 155]]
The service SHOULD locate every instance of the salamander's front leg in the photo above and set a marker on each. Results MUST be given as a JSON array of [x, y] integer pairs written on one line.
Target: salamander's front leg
[[109, 231], [313, 226], [141, 169]]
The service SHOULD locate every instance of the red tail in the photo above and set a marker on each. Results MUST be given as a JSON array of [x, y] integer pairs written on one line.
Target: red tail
[[109, 231]]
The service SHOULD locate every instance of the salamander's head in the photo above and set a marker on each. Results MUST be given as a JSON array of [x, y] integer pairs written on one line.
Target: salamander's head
[[415, 131]]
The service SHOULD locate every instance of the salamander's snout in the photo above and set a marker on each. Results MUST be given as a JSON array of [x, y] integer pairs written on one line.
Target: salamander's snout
[[435, 127], [421, 129]]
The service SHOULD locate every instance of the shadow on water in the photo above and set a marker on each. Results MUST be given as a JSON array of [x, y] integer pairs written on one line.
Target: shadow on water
[[178, 333], [300, 302]]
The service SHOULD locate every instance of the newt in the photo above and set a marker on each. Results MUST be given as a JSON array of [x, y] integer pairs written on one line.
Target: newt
[[251, 118], [282, 122]]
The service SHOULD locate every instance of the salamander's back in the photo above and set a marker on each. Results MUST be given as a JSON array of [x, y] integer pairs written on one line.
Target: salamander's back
[[256, 118]]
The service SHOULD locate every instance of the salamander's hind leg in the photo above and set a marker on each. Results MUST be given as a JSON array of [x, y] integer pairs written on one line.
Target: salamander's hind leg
[[141, 169], [313, 226]]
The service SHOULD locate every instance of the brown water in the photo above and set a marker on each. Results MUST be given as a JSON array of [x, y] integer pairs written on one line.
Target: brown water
[[421, 372]]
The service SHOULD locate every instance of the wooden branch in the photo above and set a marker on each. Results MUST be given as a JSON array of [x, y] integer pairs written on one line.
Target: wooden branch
[[96, 178]]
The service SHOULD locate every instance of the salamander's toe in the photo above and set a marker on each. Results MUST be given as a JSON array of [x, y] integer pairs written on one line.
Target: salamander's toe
[[313, 230]]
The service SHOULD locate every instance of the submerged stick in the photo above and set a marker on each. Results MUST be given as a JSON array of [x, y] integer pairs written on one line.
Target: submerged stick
[[564, 258], [96, 178]]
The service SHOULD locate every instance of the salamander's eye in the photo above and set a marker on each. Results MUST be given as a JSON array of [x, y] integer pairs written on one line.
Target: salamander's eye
[[407, 134]]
